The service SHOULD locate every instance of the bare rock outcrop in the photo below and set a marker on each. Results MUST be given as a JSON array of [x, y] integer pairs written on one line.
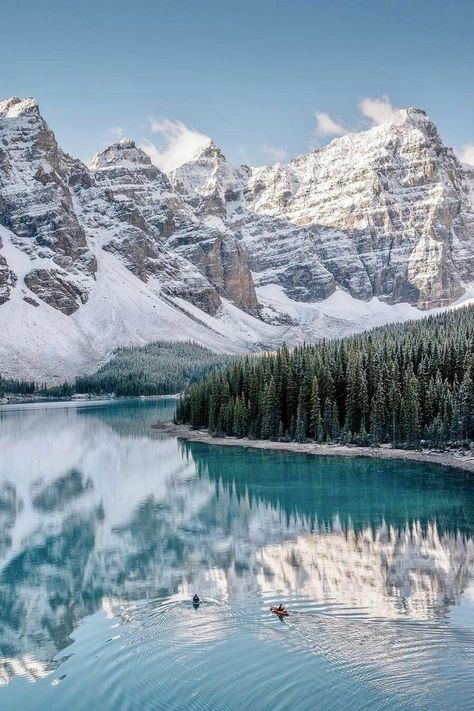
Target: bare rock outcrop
[[57, 291], [238, 256]]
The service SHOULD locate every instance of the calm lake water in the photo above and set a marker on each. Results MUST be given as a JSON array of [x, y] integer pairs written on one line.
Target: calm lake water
[[107, 529]]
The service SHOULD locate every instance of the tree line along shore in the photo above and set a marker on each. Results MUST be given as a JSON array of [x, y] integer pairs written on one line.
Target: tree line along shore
[[409, 385], [159, 368], [458, 458]]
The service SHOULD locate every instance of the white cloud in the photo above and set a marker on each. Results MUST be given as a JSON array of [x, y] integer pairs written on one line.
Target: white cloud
[[179, 144], [327, 126], [278, 155], [117, 132], [466, 154], [377, 110]]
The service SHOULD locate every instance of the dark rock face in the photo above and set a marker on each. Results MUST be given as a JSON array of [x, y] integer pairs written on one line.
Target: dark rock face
[[51, 287], [35, 200], [7, 280], [30, 301], [223, 261], [228, 268]]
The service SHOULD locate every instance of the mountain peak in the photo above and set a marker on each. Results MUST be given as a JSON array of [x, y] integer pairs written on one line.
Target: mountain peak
[[123, 153], [403, 121], [415, 111], [412, 118], [126, 143], [410, 115], [209, 151], [15, 106]]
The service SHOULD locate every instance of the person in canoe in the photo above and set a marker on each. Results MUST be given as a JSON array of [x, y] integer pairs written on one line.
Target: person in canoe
[[280, 610], [196, 599]]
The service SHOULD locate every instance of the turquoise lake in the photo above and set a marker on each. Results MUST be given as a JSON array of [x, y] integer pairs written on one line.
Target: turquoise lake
[[108, 527]]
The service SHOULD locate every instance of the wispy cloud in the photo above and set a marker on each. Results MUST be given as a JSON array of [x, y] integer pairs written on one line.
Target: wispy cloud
[[179, 144], [378, 110], [327, 126], [277, 155], [466, 154], [117, 132]]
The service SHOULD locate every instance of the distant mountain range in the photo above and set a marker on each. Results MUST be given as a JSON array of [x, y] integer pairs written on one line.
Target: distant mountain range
[[377, 226]]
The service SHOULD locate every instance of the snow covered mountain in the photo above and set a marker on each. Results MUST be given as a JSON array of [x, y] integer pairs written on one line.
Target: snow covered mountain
[[375, 227]]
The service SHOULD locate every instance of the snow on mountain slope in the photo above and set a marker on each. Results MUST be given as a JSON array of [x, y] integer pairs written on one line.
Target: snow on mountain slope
[[386, 212], [41, 342], [36, 204], [370, 229]]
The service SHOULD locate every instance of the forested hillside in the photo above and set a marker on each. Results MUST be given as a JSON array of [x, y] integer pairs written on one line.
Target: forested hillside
[[405, 384], [158, 368], [154, 369], [18, 387]]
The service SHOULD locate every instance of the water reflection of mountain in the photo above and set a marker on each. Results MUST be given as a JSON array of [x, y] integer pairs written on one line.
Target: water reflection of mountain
[[89, 513], [146, 412], [360, 492]]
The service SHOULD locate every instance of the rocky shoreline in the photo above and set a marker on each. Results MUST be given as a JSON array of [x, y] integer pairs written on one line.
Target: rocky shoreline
[[457, 459]]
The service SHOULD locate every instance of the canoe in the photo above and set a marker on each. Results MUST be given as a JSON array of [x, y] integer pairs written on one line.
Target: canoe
[[280, 613]]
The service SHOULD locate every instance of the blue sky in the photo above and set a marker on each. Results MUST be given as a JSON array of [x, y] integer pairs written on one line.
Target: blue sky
[[250, 74]]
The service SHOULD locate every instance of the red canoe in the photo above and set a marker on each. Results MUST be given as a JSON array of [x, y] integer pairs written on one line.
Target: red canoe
[[280, 613]]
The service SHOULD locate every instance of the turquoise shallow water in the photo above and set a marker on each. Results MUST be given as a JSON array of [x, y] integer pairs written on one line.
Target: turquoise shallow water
[[107, 528]]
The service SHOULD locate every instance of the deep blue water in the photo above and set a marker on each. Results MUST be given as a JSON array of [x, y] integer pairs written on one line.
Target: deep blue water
[[107, 528]]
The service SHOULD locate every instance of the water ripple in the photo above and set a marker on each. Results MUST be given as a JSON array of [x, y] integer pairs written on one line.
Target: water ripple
[[400, 663]]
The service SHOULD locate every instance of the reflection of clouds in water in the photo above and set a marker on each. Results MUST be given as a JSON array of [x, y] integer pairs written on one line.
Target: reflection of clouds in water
[[469, 593], [385, 573], [174, 620], [406, 661], [97, 517], [26, 666], [37, 450]]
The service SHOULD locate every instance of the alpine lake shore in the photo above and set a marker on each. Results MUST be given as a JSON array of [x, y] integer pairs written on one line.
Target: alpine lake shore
[[458, 459]]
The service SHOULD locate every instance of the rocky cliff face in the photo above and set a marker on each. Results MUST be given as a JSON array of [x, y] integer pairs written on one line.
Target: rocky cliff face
[[157, 235], [36, 204], [7, 280], [244, 253], [387, 213], [60, 210], [130, 210]]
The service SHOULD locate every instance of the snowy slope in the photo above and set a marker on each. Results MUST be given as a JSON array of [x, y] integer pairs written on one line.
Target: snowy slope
[[43, 343], [386, 212], [373, 228]]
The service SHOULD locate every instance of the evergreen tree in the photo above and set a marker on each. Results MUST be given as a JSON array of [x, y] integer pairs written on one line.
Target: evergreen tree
[[270, 412], [410, 411], [403, 383], [315, 421], [466, 405], [300, 430], [377, 414]]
